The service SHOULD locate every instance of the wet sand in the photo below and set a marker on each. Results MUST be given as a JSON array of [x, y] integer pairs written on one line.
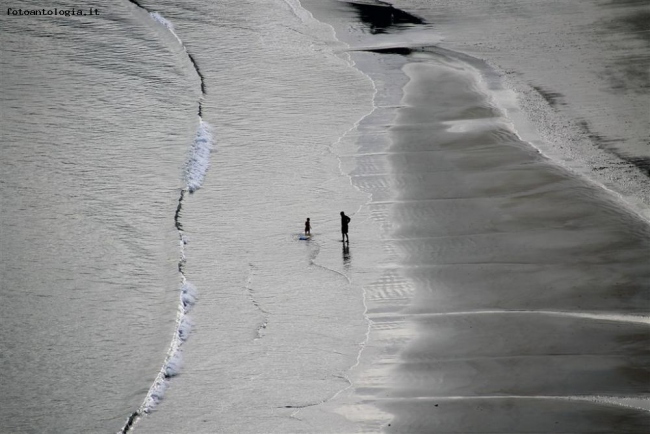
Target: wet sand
[[516, 294], [515, 291], [581, 72]]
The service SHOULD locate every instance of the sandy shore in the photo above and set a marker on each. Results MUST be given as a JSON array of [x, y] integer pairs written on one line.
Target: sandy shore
[[514, 291], [514, 294], [581, 72], [525, 278]]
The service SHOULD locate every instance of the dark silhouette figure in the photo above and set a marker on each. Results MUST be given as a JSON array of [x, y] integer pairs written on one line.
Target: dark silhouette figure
[[307, 227], [384, 18], [345, 220]]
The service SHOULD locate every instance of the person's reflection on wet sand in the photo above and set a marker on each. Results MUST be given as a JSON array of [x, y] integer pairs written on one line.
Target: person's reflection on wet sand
[[346, 256]]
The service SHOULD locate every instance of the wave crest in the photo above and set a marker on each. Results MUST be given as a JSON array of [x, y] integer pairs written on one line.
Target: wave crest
[[198, 160]]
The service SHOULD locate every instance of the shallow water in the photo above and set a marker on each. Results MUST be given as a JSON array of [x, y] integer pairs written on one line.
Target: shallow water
[[278, 321], [480, 279], [92, 152]]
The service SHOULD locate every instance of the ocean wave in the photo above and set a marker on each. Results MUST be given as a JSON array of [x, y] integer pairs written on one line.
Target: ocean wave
[[196, 167], [174, 360], [188, 296], [198, 161], [160, 19]]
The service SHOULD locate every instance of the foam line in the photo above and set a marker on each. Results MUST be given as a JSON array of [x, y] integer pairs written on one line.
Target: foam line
[[198, 161], [196, 167], [251, 294], [642, 403], [620, 317], [304, 15], [173, 361], [159, 18]]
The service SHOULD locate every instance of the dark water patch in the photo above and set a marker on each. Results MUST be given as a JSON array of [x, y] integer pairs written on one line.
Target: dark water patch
[[382, 17], [402, 51], [629, 24], [642, 163], [179, 228], [625, 3], [537, 375], [512, 415], [132, 418], [553, 98], [198, 72], [609, 288], [609, 145], [636, 22], [177, 215], [629, 73]]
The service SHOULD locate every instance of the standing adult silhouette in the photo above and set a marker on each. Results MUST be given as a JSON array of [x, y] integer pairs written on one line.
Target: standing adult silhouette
[[345, 220]]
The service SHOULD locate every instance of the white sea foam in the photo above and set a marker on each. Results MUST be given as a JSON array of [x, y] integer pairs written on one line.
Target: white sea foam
[[155, 395], [184, 328], [196, 167], [303, 14], [160, 19], [198, 160], [188, 296], [174, 364]]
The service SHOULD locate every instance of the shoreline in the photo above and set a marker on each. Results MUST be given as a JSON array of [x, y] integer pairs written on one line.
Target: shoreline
[[538, 121], [503, 245], [557, 123], [573, 112], [489, 244], [551, 131]]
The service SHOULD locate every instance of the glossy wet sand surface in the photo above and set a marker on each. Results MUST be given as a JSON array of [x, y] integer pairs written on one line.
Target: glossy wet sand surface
[[515, 295]]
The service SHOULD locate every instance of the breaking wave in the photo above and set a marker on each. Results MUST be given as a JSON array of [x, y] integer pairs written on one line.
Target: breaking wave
[[196, 167]]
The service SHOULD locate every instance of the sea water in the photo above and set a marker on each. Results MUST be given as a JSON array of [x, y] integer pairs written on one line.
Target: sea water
[[109, 211], [152, 275], [92, 150]]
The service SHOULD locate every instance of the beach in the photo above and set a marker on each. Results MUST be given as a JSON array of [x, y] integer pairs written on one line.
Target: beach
[[520, 274], [513, 262], [492, 156], [580, 73]]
